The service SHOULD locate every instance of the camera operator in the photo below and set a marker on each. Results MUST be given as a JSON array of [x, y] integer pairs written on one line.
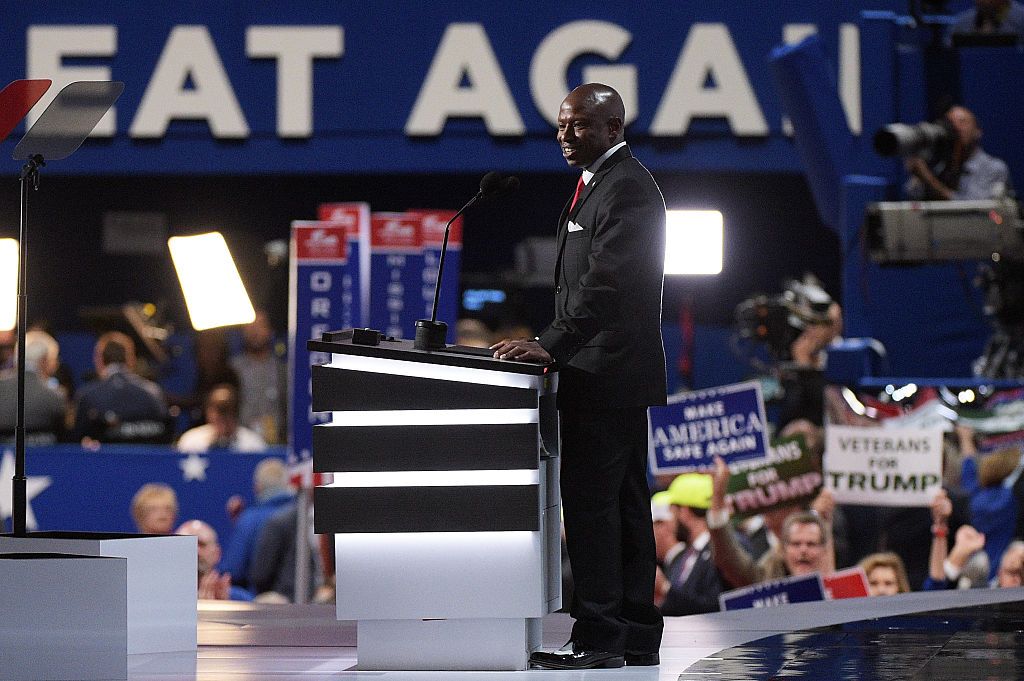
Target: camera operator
[[808, 350], [965, 172], [795, 327]]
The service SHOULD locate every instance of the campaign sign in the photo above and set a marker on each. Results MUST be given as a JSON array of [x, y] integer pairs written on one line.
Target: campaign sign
[[789, 476], [322, 298], [848, 583], [432, 224], [883, 466], [355, 216], [803, 589], [694, 427], [396, 273]]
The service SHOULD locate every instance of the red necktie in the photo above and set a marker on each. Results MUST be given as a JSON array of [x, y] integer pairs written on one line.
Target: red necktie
[[579, 187]]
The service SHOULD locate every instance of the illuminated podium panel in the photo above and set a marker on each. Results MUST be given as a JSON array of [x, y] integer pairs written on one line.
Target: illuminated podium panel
[[444, 502]]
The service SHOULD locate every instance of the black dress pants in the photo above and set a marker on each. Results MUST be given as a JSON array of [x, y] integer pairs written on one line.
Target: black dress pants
[[608, 529]]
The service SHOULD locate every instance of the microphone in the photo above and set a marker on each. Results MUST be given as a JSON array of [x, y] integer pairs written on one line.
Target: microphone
[[508, 186], [489, 184], [430, 333]]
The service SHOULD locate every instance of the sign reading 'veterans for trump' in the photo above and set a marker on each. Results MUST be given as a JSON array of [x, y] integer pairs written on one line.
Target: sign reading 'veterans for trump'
[[883, 466], [693, 428]]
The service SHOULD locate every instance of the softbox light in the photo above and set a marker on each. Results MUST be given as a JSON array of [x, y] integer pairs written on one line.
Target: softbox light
[[8, 284], [693, 242], [213, 290]]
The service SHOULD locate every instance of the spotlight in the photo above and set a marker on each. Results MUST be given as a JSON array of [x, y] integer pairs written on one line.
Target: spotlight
[[8, 284], [214, 293], [693, 242]]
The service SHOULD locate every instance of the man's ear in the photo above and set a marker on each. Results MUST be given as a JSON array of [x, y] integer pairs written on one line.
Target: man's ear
[[614, 128]]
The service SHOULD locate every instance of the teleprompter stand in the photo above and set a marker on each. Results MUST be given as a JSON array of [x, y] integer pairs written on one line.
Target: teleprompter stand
[[136, 593], [58, 133]]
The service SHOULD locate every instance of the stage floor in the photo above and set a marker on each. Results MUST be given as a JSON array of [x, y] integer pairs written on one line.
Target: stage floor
[[962, 635]]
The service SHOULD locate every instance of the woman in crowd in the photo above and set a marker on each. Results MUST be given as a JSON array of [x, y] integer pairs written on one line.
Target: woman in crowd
[[886, 574]]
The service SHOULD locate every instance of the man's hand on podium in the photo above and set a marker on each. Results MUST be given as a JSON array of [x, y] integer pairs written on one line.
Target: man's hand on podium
[[521, 350]]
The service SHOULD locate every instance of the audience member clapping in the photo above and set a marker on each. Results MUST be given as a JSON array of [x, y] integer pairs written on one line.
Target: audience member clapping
[[155, 508], [213, 584]]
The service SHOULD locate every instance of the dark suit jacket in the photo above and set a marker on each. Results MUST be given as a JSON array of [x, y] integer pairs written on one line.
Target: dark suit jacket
[[699, 593], [606, 335]]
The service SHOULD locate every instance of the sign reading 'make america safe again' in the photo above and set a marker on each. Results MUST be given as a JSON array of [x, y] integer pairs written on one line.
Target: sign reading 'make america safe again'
[[695, 427], [235, 86]]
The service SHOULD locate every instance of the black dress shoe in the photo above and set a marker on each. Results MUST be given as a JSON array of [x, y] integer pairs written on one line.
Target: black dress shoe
[[642, 659], [574, 656]]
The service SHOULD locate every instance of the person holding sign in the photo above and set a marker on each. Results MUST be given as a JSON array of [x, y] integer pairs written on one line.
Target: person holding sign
[[805, 545], [606, 342]]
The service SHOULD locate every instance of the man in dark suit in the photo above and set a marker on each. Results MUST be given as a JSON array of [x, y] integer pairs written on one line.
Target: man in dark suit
[[606, 342], [119, 405], [694, 581]]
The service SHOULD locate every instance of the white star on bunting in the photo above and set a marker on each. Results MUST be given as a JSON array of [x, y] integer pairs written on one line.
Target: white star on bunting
[[34, 485], [193, 467]]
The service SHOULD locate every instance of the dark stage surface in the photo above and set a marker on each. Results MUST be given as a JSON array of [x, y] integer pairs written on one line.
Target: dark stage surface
[[964, 635], [978, 643]]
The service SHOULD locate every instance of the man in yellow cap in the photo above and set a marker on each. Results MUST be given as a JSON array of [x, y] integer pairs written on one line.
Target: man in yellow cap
[[667, 547], [693, 580]]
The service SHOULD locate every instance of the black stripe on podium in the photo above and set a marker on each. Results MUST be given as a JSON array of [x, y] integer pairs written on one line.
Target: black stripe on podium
[[337, 389], [478, 508], [425, 448]]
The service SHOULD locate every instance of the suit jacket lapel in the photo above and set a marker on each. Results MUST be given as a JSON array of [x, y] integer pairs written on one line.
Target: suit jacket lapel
[[567, 215]]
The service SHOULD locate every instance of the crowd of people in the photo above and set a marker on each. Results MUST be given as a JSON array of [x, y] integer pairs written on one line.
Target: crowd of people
[[238, 404], [968, 538], [258, 560]]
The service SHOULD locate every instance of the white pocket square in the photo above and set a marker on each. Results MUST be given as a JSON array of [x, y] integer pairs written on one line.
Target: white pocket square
[[573, 227]]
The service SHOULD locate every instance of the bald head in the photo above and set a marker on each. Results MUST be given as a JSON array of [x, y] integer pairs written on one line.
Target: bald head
[[601, 99], [208, 548], [590, 122]]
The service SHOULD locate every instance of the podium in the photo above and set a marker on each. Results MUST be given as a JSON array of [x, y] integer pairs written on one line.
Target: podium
[[444, 502]]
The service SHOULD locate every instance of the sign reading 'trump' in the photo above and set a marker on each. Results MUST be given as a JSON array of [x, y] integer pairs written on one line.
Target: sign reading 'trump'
[[883, 466]]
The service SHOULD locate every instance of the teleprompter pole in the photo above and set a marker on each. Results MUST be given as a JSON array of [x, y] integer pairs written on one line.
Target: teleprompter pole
[[19, 510]]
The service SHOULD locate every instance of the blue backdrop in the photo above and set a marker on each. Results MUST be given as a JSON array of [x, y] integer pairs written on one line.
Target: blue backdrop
[[74, 489], [365, 71]]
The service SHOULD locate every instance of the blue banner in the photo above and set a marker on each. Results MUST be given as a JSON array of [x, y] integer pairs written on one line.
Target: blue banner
[[74, 489], [688, 433], [330, 87], [322, 297], [396, 273], [801, 589], [355, 216], [432, 224]]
